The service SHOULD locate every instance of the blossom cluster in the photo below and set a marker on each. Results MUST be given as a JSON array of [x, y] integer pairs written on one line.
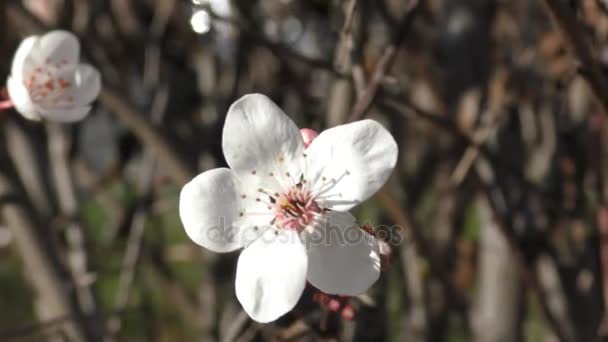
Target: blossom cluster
[[286, 196]]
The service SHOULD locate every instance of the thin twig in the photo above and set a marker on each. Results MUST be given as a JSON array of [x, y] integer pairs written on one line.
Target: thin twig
[[77, 256], [574, 34], [602, 213], [409, 110], [528, 274], [401, 216], [148, 170], [383, 65], [44, 270], [23, 332], [340, 95], [275, 48]]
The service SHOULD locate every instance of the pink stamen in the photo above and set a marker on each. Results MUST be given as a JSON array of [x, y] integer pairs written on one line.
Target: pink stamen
[[47, 86], [295, 209], [334, 303]]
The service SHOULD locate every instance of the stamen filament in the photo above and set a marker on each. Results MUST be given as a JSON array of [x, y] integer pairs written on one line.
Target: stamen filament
[[332, 182]]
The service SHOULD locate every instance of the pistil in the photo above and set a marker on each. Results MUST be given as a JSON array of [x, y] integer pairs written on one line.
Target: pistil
[[296, 209]]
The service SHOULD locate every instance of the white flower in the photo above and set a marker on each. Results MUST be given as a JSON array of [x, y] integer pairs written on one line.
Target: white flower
[[47, 81], [288, 206]]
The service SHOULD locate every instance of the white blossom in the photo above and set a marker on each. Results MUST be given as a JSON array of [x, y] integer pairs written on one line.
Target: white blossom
[[48, 82], [287, 205]]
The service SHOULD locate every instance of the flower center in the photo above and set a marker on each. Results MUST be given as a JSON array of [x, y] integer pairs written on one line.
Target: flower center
[[46, 86], [296, 208]]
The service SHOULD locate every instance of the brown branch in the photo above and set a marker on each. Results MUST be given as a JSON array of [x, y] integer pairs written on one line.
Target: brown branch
[[29, 331], [148, 170], [148, 135], [21, 150], [77, 256], [402, 218], [602, 222], [44, 272], [598, 152], [408, 110], [590, 69], [280, 50], [340, 94], [527, 270], [383, 65]]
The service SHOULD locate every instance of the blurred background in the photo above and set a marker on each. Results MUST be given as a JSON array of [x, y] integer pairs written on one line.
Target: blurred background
[[498, 205]]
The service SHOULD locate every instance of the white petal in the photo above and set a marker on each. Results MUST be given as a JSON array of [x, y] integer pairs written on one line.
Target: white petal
[[210, 207], [21, 61], [271, 275], [349, 163], [65, 115], [87, 84], [20, 97], [342, 258], [259, 138], [57, 47]]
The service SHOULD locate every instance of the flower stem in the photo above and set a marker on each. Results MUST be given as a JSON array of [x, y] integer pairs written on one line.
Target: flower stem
[[6, 104]]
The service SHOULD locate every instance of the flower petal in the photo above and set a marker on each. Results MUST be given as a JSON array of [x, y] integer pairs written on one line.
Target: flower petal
[[271, 275], [342, 258], [21, 61], [87, 84], [258, 138], [349, 163], [212, 212], [57, 47], [20, 97]]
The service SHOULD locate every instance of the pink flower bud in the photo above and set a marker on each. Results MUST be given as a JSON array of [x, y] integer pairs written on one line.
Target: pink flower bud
[[308, 135], [334, 304], [348, 313]]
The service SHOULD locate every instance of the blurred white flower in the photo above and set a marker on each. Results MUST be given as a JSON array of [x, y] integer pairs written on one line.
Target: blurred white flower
[[48, 82], [200, 22], [222, 8], [287, 205]]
